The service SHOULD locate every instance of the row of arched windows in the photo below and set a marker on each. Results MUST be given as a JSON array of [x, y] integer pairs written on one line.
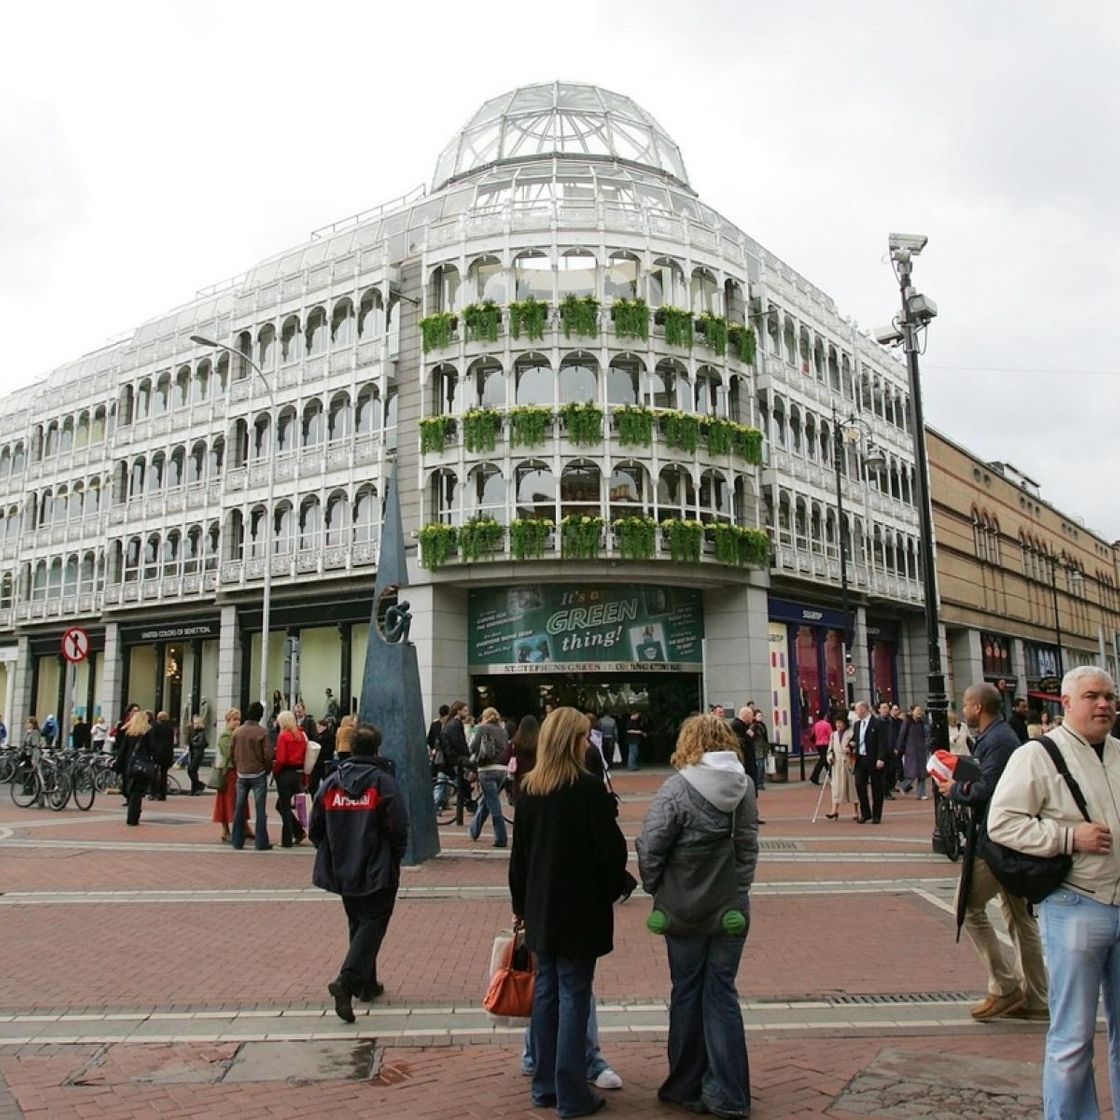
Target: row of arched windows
[[626, 381], [533, 490], [536, 274], [306, 524], [57, 437], [76, 574], [985, 537]]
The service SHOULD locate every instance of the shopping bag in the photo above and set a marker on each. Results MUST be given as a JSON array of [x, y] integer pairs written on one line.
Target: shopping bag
[[509, 995], [311, 756], [301, 807], [616, 758]]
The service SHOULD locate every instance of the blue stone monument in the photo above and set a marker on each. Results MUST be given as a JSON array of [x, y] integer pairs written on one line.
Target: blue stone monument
[[391, 696]]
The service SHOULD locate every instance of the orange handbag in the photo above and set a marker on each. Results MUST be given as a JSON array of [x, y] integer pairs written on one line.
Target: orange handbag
[[510, 991]]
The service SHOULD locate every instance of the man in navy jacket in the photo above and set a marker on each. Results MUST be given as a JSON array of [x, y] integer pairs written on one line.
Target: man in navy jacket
[[359, 826]]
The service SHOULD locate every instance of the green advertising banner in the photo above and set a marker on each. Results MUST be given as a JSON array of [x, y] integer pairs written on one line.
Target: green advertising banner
[[541, 629]]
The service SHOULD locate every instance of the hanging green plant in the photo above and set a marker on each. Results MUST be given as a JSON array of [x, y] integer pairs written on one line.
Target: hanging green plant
[[636, 537], [630, 318], [482, 321], [738, 546], [580, 537], [584, 423], [720, 434], [436, 432], [747, 443], [754, 548], [530, 314], [713, 329], [435, 330], [677, 324], [437, 545], [480, 428], [580, 315], [684, 538], [635, 425], [681, 429], [742, 342], [529, 536], [480, 537], [529, 425]]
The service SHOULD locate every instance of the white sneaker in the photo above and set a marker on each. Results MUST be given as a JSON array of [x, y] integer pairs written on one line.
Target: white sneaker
[[608, 1079]]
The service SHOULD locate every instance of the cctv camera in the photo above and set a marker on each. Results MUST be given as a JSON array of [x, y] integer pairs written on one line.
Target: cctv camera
[[911, 242], [921, 308], [890, 335]]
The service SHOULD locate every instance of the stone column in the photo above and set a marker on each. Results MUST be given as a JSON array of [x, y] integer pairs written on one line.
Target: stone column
[[229, 665]]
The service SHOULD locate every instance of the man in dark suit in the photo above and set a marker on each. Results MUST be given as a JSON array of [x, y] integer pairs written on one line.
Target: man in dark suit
[[1017, 721], [869, 744]]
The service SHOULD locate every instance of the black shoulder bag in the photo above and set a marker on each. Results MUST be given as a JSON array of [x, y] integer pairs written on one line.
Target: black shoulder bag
[[1034, 877]]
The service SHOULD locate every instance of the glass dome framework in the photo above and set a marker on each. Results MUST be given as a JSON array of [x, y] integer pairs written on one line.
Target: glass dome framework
[[564, 120]]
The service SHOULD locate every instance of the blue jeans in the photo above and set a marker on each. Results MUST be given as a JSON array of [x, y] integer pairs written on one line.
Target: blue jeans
[[596, 1063], [1081, 939], [707, 1042], [259, 786], [490, 782], [561, 1006], [632, 754]]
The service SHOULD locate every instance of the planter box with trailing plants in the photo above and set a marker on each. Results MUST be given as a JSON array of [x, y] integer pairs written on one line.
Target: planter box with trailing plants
[[684, 538], [482, 321], [630, 318], [583, 422], [580, 537], [480, 538], [677, 324], [530, 425], [634, 424], [435, 330], [580, 316], [437, 545], [742, 547], [529, 537], [436, 432], [713, 330], [530, 316], [680, 429], [635, 537], [741, 342], [480, 429]]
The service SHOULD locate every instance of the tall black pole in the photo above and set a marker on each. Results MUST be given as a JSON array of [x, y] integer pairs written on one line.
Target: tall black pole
[[1057, 613], [837, 448], [938, 702]]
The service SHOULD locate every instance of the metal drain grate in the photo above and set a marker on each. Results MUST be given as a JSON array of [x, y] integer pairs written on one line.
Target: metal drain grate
[[902, 998], [779, 845]]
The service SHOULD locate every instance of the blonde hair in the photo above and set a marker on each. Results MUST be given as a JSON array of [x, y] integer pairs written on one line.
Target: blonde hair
[[286, 720], [560, 750], [138, 725], [344, 735], [233, 713], [700, 734], [491, 715]]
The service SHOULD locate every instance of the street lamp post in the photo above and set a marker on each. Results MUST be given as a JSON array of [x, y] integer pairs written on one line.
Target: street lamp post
[[1057, 613], [917, 311], [266, 589]]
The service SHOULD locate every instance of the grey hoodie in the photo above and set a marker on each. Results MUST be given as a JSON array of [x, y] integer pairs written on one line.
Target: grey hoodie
[[691, 807]]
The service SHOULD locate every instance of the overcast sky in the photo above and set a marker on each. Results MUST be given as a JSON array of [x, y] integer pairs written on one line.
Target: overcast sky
[[150, 149]]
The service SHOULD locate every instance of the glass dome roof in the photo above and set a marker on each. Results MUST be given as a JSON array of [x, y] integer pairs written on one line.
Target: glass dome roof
[[559, 119]]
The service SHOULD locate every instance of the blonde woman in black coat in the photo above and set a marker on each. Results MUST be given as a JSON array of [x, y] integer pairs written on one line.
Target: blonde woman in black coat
[[566, 871]]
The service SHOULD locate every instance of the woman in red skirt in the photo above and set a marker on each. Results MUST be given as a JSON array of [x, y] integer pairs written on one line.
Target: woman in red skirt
[[226, 801]]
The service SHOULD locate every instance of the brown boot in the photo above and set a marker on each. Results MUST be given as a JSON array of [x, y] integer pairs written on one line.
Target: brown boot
[[995, 1006]]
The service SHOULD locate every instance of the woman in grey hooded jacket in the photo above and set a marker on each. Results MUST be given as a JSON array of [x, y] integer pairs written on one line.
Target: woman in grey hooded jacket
[[710, 796]]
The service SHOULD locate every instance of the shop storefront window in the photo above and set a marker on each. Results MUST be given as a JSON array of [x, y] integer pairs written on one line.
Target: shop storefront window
[[834, 668], [995, 654], [808, 673]]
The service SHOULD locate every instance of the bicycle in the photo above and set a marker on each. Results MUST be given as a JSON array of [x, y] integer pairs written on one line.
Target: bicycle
[[39, 778], [452, 795], [952, 824]]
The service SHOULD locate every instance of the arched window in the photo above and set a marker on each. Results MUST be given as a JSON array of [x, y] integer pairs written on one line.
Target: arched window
[[46, 508], [488, 383], [340, 420], [668, 385], [266, 346], [577, 273], [5, 462], [371, 315], [262, 428], [445, 288], [810, 435], [532, 274], [316, 332], [342, 323], [88, 573], [310, 524], [486, 280], [580, 489], [162, 401], [192, 551], [676, 494], [156, 472], [196, 465], [789, 341], [235, 535], [711, 397], [291, 340], [444, 501], [144, 399], [628, 491], [486, 488], [337, 519], [666, 284], [200, 385], [715, 497], [283, 526], [66, 436], [579, 378], [778, 422], [445, 382], [171, 553], [367, 412], [624, 380], [39, 581], [313, 423], [176, 468], [367, 515], [151, 557], [54, 578], [217, 455], [795, 429], [50, 446], [621, 279], [182, 394], [286, 429], [18, 458], [535, 487], [533, 380], [704, 293]]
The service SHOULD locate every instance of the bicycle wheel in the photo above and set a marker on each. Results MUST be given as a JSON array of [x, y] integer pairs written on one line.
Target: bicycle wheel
[[85, 788], [174, 786], [58, 791], [27, 786], [7, 765], [947, 828], [443, 792], [106, 778]]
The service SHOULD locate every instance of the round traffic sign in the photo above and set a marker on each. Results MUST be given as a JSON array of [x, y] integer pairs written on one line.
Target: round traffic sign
[[851, 670], [75, 644]]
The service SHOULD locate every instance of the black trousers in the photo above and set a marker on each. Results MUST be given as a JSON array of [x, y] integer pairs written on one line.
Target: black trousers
[[821, 763], [868, 775], [368, 916], [287, 786], [137, 788]]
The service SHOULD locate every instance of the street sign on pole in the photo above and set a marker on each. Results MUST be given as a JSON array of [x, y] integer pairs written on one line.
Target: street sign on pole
[[75, 645]]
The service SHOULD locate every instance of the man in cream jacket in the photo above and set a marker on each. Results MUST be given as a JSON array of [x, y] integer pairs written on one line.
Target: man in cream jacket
[[1033, 811]]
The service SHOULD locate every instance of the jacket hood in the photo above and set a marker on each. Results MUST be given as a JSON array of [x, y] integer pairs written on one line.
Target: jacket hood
[[718, 777], [356, 775]]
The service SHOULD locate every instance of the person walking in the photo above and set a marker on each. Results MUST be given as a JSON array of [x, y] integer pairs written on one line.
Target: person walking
[[488, 754], [1016, 988], [914, 741], [523, 750], [635, 734], [822, 736], [252, 758], [287, 773], [608, 729], [1034, 811], [163, 748], [225, 803], [871, 762], [841, 759], [566, 870], [197, 742], [1017, 721], [140, 763], [98, 734], [359, 826], [80, 734], [960, 741], [708, 803]]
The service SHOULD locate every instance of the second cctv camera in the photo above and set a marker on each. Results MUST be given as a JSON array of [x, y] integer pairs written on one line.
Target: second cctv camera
[[890, 335], [911, 242]]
